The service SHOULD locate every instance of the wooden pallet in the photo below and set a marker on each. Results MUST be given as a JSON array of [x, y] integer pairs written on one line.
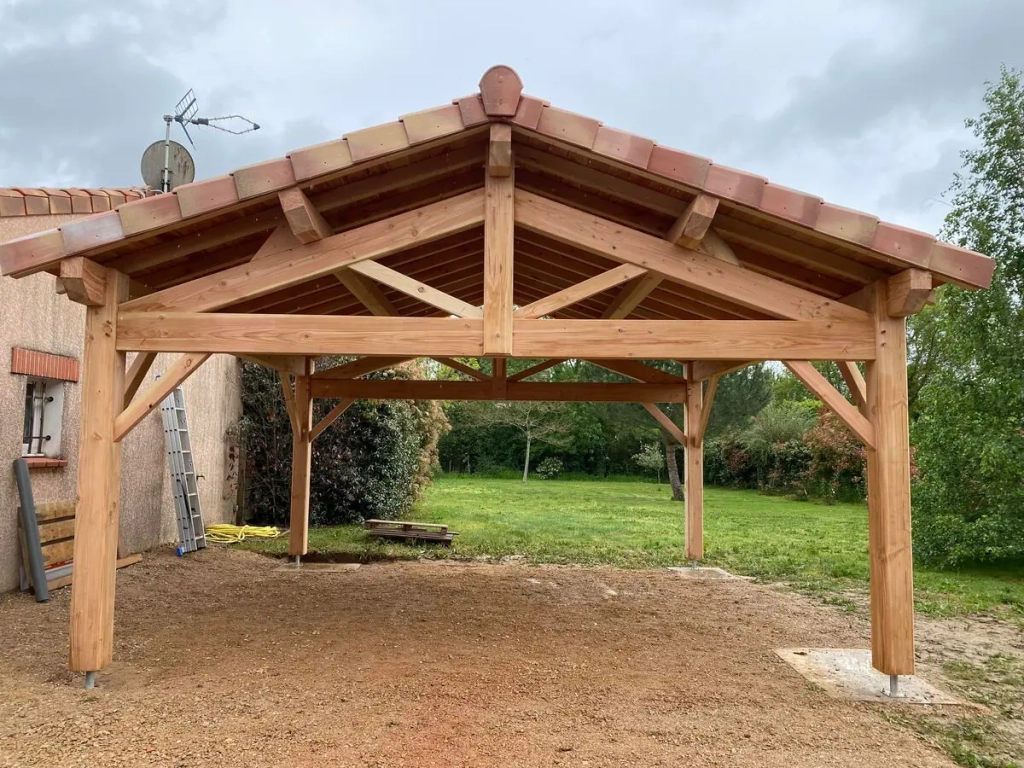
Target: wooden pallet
[[400, 529], [56, 523]]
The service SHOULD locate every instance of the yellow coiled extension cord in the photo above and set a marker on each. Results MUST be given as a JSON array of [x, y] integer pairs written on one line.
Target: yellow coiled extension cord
[[232, 534]]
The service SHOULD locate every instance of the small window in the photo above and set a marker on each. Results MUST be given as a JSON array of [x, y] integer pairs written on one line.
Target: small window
[[44, 411]]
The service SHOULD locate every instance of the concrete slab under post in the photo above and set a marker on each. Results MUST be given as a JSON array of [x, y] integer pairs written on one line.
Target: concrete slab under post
[[99, 483]]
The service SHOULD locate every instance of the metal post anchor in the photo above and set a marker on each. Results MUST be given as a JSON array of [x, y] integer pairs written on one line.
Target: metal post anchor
[[894, 688], [298, 560], [693, 564], [90, 680]]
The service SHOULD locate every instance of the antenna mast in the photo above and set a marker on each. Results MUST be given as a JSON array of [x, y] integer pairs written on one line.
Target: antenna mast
[[185, 114]]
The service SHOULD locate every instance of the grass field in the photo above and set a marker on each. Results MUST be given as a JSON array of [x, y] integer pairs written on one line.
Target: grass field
[[636, 525]]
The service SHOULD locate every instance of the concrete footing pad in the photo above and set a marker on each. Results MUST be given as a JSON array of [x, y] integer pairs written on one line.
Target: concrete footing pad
[[706, 573], [846, 673], [317, 568]]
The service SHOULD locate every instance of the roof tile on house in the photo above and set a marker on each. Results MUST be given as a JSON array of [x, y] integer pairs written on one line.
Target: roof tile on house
[[25, 201]]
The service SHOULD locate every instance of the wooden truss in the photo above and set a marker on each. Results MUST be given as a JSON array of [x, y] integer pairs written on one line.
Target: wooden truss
[[486, 251]]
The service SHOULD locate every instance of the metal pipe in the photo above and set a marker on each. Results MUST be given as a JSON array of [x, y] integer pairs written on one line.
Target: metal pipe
[[165, 179], [30, 526], [90, 680], [894, 686]]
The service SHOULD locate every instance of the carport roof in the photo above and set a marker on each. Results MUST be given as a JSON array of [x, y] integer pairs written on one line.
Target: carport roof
[[437, 154]]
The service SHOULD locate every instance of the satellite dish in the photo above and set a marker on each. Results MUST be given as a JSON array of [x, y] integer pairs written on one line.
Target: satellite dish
[[180, 164]]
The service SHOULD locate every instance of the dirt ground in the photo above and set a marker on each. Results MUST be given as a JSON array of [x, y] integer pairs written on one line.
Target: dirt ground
[[222, 661]]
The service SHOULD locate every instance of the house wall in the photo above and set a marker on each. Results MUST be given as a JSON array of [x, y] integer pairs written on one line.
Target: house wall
[[34, 316]]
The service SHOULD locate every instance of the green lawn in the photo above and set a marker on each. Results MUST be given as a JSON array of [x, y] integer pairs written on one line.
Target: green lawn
[[636, 525]]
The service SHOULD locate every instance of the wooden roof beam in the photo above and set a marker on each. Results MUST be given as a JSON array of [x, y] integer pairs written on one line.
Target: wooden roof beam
[[499, 250], [418, 290], [693, 223], [305, 221], [579, 291], [691, 268], [322, 257], [462, 368], [585, 392]]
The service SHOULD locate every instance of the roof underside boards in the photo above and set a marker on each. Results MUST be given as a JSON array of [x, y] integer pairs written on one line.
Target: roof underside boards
[[370, 175]]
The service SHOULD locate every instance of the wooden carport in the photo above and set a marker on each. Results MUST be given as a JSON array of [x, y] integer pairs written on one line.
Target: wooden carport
[[497, 226]]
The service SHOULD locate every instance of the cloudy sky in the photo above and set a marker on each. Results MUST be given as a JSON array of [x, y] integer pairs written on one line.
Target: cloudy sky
[[862, 103]]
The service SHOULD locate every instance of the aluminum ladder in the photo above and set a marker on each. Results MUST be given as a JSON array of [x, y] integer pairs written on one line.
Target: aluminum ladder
[[191, 532]]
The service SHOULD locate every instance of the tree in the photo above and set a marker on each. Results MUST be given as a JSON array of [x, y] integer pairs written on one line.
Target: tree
[[535, 421], [969, 503], [649, 458], [740, 396]]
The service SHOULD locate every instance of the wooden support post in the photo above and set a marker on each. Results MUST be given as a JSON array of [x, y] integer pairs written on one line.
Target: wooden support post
[[302, 456], [499, 212], [99, 485], [892, 566], [694, 455]]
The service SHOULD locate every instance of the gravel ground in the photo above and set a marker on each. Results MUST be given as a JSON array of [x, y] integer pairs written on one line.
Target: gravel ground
[[221, 661]]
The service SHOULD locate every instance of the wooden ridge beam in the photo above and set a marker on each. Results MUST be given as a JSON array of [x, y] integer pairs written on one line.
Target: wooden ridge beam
[[693, 223], [412, 287], [461, 367], [322, 257], [499, 254], [150, 400], [666, 423], [579, 291], [691, 268], [84, 281], [137, 374], [305, 221], [830, 396], [499, 151], [329, 419], [396, 389]]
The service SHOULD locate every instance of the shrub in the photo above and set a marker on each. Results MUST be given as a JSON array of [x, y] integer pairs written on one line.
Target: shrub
[[837, 464], [374, 461], [549, 468]]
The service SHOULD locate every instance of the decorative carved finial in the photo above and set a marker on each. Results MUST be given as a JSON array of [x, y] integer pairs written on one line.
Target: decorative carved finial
[[500, 89]]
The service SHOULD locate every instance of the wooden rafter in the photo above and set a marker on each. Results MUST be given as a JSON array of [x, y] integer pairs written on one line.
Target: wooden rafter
[[575, 293], [329, 419], [909, 292], [693, 223], [835, 401], [499, 248], [312, 260], [150, 400], [397, 389], [666, 423], [692, 268], [416, 289]]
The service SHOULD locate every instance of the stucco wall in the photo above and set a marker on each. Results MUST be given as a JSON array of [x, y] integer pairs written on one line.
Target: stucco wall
[[33, 315]]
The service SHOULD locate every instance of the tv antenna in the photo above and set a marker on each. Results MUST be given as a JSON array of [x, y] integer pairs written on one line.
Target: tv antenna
[[177, 166]]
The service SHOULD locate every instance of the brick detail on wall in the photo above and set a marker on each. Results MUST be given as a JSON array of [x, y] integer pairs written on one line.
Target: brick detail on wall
[[43, 365]]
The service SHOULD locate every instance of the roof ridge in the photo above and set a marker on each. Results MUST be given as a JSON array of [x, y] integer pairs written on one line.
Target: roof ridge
[[47, 201]]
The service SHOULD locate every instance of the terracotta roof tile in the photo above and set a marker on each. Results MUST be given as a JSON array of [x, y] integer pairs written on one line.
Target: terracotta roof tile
[[32, 201]]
